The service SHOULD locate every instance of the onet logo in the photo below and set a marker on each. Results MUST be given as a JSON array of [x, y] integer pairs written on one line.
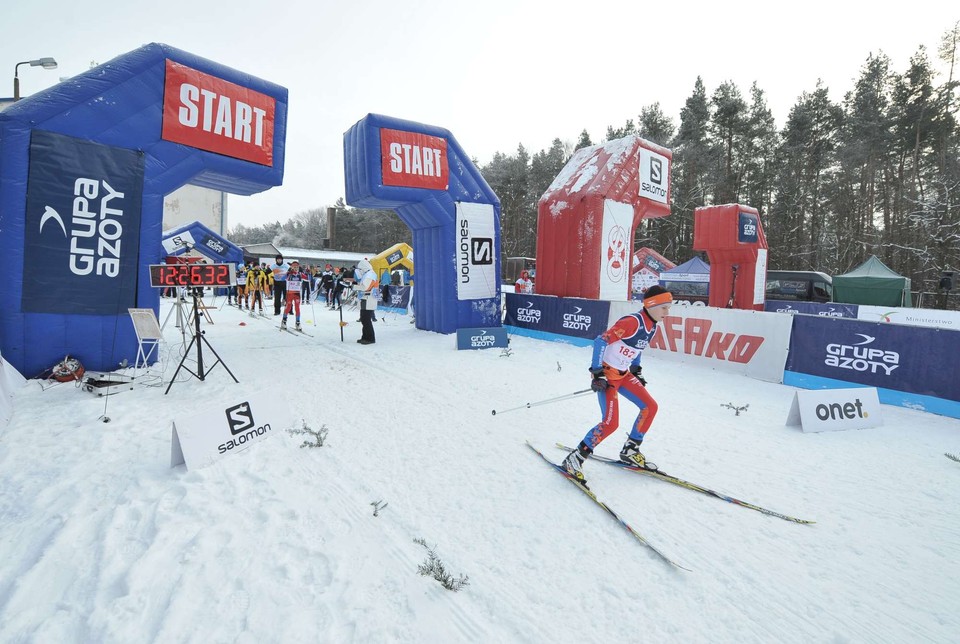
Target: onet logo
[[240, 418], [656, 170], [48, 214]]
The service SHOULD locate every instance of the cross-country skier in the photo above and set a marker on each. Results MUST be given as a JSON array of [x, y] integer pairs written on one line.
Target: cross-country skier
[[293, 279], [615, 368]]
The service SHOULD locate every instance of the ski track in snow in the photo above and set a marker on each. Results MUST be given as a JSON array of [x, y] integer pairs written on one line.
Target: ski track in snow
[[104, 542]]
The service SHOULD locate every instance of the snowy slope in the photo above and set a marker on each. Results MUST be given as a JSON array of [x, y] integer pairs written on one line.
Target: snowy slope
[[104, 542]]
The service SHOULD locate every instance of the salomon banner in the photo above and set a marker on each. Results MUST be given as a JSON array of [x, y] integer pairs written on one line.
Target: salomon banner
[[476, 263], [218, 432], [916, 360], [82, 226], [557, 315]]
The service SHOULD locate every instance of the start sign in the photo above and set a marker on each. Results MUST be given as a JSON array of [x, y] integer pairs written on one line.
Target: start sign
[[413, 160], [213, 114]]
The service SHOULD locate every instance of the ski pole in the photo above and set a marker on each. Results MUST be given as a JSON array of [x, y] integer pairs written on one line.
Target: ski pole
[[544, 402]]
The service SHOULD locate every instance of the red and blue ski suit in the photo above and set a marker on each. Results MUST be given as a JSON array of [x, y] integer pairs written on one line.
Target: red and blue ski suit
[[616, 350]]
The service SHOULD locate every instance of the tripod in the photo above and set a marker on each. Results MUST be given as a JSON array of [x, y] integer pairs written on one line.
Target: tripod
[[199, 339]]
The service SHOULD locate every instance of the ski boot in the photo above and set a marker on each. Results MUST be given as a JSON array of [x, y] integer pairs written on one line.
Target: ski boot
[[297, 327], [283, 324], [573, 465], [631, 455]]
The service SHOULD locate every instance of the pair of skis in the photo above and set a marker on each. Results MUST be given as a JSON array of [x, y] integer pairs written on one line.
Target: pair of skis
[[294, 331], [663, 476], [583, 488]]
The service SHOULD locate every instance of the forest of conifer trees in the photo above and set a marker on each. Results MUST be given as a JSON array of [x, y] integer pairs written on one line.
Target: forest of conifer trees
[[877, 172]]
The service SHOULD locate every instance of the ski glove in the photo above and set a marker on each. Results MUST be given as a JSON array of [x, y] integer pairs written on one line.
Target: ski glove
[[636, 370], [599, 383]]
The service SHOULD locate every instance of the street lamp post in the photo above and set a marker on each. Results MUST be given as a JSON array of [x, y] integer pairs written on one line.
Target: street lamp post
[[46, 63]]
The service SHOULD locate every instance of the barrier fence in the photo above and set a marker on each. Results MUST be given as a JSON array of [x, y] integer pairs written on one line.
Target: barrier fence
[[912, 356]]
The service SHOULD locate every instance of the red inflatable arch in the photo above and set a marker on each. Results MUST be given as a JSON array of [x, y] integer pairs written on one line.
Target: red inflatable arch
[[733, 238], [587, 217]]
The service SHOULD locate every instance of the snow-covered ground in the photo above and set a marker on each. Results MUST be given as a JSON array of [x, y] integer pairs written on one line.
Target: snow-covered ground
[[102, 541]]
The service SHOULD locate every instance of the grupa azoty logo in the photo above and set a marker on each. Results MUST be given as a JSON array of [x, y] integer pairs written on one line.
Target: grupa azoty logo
[[862, 357], [528, 314], [482, 339], [576, 320]]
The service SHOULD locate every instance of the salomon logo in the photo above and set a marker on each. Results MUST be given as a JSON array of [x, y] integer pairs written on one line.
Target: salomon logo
[[482, 250], [656, 170], [240, 418]]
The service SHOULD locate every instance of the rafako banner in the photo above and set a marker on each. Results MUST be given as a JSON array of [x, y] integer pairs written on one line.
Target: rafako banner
[[82, 226]]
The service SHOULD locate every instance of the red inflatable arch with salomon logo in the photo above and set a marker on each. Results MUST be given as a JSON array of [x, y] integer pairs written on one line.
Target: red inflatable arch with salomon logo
[[84, 168], [587, 217]]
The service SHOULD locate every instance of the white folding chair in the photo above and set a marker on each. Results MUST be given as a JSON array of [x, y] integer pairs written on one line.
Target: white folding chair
[[149, 336]]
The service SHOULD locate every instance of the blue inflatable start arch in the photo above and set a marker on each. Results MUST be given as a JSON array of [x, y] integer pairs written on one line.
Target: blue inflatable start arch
[[84, 168], [422, 173]]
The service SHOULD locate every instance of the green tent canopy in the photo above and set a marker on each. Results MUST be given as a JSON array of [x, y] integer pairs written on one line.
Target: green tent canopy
[[872, 283]]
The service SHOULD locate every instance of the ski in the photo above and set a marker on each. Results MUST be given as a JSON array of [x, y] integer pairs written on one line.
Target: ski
[[953, 457], [583, 488], [294, 331], [663, 476]]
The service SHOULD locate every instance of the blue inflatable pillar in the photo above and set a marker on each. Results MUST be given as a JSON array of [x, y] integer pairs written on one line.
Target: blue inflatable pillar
[[422, 173]]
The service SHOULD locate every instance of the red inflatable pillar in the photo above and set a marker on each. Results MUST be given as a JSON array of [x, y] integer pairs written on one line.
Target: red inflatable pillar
[[733, 238]]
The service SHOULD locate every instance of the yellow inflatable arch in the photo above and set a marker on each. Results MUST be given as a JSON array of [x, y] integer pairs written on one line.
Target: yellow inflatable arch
[[395, 256]]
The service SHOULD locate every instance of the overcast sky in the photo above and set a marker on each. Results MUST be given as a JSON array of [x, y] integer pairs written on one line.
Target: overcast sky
[[496, 73]]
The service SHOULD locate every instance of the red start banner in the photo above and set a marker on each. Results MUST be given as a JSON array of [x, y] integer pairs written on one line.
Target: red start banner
[[413, 160], [213, 114]]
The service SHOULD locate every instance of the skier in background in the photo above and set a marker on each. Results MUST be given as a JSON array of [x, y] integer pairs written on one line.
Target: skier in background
[[279, 271], [256, 284], [293, 279], [241, 287], [615, 368]]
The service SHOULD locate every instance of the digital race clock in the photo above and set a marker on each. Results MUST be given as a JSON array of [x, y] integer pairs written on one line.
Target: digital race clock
[[163, 275]]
